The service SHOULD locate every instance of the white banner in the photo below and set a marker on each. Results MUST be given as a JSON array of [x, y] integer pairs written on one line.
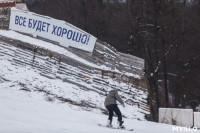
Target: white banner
[[52, 29]]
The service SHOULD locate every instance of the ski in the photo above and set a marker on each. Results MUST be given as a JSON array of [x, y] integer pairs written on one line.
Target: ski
[[113, 127]]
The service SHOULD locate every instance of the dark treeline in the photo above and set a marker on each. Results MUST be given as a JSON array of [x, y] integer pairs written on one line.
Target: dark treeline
[[165, 33]]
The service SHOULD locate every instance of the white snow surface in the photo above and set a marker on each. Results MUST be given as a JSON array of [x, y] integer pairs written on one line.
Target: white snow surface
[[25, 112]]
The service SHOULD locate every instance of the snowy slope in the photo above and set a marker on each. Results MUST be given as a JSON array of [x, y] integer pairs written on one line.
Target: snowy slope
[[38, 94], [60, 80], [28, 78], [32, 102], [25, 112]]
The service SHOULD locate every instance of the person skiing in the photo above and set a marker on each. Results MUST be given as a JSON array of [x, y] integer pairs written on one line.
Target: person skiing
[[111, 106]]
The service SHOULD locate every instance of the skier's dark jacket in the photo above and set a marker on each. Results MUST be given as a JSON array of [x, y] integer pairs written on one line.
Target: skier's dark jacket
[[112, 98]]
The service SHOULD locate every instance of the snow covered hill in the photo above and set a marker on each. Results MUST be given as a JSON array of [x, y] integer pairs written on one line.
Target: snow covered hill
[[32, 72], [34, 103], [32, 91], [29, 112], [39, 71]]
